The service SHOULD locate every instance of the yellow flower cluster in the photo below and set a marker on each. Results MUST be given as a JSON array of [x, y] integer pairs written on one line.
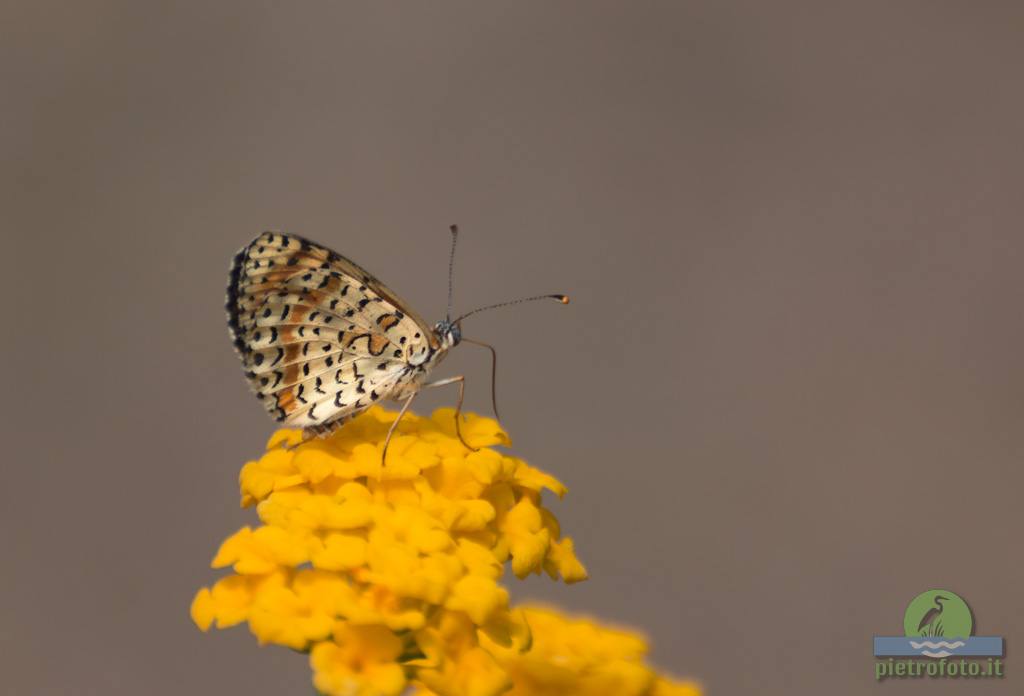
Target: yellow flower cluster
[[579, 657], [388, 575]]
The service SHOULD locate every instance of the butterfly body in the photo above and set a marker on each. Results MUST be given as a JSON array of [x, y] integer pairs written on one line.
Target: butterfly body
[[320, 338]]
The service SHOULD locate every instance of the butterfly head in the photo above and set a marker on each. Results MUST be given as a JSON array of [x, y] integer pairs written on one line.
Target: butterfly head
[[449, 333]]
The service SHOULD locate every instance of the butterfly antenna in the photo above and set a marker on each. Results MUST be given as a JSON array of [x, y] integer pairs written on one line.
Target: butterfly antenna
[[564, 299], [451, 269]]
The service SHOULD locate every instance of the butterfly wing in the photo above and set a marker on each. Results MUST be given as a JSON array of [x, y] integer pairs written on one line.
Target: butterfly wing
[[321, 339]]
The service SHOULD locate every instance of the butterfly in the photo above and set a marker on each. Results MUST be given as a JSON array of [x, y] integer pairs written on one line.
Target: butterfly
[[321, 339]]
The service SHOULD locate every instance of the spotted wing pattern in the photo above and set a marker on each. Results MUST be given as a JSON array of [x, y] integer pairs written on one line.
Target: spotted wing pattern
[[320, 338]]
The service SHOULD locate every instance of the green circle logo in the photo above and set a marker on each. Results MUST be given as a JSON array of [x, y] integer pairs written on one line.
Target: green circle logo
[[938, 613]]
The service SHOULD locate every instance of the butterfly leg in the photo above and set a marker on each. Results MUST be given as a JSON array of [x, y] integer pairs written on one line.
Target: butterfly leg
[[461, 381], [391, 430], [494, 373]]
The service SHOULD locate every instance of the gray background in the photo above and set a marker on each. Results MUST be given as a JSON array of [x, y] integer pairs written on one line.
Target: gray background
[[786, 399]]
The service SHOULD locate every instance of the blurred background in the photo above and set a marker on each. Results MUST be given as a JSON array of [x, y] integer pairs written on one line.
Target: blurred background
[[786, 398]]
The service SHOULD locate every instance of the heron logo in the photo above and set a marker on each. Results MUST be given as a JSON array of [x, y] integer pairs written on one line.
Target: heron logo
[[937, 614], [938, 625]]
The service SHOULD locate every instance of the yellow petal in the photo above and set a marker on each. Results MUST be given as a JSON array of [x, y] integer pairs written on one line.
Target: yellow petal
[[535, 480], [528, 540], [478, 596], [275, 470], [202, 610], [340, 552], [562, 561], [666, 687]]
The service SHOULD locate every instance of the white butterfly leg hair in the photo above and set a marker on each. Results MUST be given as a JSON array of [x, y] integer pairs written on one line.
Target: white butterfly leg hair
[[461, 381]]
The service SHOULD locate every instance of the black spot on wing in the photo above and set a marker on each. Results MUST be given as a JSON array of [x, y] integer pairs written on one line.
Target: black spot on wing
[[231, 304]]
